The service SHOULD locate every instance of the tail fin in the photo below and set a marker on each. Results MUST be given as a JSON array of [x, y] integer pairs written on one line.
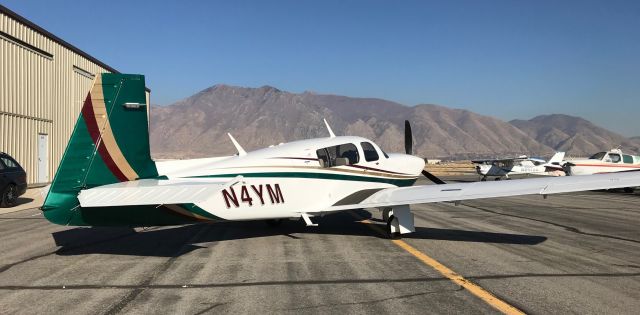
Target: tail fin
[[557, 158], [109, 144]]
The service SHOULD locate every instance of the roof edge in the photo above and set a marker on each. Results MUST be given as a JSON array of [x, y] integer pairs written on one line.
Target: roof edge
[[57, 39]]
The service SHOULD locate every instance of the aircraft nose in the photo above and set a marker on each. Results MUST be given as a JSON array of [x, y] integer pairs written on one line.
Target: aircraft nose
[[415, 163]]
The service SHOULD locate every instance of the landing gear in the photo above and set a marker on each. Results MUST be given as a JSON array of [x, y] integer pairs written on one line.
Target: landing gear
[[629, 190], [386, 212], [498, 178], [483, 179], [393, 228]]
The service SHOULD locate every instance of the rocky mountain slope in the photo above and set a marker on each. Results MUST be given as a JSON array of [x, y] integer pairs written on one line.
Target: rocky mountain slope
[[574, 135], [258, 117]]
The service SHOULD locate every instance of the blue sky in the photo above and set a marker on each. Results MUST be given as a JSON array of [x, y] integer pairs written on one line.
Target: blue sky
[[508, 59]]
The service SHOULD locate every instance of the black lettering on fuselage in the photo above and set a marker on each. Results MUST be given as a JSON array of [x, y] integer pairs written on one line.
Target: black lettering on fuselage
[[275, 196], [258, 192], [231, 198]]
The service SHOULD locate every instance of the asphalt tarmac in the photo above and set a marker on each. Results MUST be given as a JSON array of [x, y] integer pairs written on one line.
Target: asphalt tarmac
[[573, 253]]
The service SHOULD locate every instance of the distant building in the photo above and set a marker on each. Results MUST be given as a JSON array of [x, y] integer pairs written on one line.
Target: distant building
[[43, 83], [433, 161]]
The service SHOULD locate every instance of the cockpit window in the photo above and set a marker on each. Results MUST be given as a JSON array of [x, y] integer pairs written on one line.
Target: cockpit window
[[628, 159], [598, 156], [327, 156], [370, 153], [614, 158]]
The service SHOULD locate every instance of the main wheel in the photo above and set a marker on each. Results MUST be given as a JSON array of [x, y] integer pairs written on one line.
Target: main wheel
[[385, 214], [628, 190], [484, 179], [9, 196], [392, 221]]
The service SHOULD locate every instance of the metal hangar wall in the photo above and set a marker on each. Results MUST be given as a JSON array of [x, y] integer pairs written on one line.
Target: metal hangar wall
[[43, 83]]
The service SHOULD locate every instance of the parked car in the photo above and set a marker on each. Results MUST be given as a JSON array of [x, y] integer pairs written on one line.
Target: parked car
[[13, 180]]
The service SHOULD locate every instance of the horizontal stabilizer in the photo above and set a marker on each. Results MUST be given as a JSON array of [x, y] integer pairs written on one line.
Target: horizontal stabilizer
[[149, 192]]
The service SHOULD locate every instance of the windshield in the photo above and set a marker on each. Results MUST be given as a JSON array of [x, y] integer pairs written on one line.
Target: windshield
[[598, 156]]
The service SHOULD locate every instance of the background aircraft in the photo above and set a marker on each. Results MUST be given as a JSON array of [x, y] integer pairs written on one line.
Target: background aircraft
[[107, 177], [603, 162], [518, 166]]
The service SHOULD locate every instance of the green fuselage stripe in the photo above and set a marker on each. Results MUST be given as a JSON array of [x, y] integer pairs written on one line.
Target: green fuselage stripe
[[392, 181]]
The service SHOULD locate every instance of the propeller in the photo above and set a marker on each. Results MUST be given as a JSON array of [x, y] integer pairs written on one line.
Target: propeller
[[408, 138], [408, 148]]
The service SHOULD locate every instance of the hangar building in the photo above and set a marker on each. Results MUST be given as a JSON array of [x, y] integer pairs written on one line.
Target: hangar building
[[43, 83]]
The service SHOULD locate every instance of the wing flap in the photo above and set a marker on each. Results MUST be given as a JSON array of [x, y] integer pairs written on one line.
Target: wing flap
[[480, 190], [149, 192]]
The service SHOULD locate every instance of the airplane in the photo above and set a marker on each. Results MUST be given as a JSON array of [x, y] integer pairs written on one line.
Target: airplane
[[519, 166], [106, 176], [603, 162]]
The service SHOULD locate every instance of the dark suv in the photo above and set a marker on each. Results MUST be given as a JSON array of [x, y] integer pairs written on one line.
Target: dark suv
[[13, 180]]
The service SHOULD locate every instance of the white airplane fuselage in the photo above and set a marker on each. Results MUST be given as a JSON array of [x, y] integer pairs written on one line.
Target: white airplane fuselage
[[286, 180], [604, 162]]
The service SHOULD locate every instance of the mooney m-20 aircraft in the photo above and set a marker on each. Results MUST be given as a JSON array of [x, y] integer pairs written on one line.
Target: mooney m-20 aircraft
[[521, 165], [107, 177]]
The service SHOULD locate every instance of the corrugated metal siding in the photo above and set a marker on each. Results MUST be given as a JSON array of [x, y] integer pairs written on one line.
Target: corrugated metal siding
[[39, 94]]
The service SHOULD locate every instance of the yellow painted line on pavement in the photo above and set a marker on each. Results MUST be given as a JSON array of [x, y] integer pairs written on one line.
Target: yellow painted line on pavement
[[473, 288]]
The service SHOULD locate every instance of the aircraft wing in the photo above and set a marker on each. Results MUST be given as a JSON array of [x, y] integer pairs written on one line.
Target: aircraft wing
[[150, 192], [499, 160], [479, 190]]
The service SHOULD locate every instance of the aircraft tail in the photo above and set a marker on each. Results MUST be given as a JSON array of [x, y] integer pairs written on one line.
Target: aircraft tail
[[109, 144], [557, 158], [555, 163]]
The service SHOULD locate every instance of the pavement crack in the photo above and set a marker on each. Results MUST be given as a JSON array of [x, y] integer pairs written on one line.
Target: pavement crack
[[206, 310], [398, 297], [61, 251], [132, 295], [566, 227], [183, 286]]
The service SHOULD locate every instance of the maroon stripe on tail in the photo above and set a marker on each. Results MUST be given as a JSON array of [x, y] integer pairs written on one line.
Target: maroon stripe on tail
[[92, 126]]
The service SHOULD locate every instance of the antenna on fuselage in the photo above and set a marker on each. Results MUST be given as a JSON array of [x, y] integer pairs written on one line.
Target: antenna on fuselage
[[241, 151], [331, 134]]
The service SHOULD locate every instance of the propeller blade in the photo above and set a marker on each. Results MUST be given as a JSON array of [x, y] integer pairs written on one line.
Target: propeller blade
[[433, 178], [408, 138]]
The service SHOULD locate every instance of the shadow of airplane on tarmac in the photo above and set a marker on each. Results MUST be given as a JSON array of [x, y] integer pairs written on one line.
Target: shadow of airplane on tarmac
[[179, 240]]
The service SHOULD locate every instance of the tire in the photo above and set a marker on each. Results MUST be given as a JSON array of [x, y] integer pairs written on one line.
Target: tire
[[393, 236], [484, 179], [629, 190], [9, 196], [385, 214]]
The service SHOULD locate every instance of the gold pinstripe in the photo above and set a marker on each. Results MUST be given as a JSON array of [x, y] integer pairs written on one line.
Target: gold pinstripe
[[106, 134]]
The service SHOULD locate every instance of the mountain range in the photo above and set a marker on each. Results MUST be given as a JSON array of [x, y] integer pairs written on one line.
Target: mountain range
[[258, 117]]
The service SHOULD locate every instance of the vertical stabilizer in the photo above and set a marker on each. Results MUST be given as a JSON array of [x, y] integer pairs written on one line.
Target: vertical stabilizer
[[109, 144]]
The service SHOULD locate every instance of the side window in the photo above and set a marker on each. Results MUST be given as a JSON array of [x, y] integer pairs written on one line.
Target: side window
[[8, 162], [615, 158], [323, 157], [349, 151], [628, 159], [327, 156], [1, 166], [370, 153]]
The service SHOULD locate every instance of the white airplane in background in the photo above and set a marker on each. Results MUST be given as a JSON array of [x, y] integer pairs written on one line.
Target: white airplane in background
[[603, 162], [521, 165], [107, 177]]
